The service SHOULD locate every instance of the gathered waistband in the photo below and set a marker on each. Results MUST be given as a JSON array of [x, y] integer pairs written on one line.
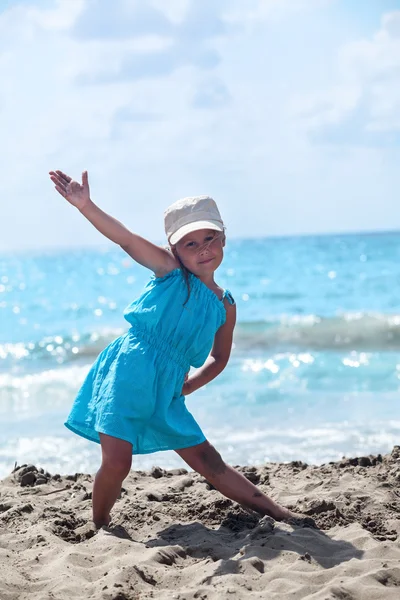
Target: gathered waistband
[[156, 341]]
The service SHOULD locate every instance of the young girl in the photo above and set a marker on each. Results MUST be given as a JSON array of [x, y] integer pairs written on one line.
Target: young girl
[[133, 399]]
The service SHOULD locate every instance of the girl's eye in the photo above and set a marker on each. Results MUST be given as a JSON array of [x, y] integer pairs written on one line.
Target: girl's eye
[[209, 238], [190, 245]]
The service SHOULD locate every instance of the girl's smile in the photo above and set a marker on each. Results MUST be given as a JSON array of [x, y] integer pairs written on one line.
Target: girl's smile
[[206, 261]]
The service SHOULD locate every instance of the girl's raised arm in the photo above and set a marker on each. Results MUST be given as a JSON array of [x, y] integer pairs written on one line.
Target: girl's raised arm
[[142, 251]]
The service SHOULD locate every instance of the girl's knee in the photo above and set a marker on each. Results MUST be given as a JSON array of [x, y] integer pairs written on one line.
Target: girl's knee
[[116, 455], [118, 465], [213, 462], [204, 459]]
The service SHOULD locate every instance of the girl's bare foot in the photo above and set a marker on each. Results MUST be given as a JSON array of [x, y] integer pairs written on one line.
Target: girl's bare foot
[[287, 516], [86, 531], [105, 522]]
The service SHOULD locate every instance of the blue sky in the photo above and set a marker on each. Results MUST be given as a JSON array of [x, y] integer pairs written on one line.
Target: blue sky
[[286, 111]]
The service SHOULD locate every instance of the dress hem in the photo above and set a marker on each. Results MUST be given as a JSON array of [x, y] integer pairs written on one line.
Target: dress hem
[[79, 432]]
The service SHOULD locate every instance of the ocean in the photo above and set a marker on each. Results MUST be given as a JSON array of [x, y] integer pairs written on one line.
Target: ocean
[[314, 373]]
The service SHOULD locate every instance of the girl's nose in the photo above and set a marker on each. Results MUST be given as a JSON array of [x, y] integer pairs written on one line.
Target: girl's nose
[[204, 249]]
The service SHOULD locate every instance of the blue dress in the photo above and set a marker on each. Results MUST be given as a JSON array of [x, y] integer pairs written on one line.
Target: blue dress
[[133, 391]]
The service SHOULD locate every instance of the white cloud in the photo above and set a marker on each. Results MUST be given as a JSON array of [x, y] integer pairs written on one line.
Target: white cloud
[[363, 107], [61, 17], [77, 101], [254, 12], [175, 10]]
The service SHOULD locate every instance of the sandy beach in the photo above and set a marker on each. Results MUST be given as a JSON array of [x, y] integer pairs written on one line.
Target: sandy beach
[[174, 537]]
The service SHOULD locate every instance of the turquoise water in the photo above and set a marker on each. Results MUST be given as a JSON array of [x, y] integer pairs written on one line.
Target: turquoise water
[[314, 373]]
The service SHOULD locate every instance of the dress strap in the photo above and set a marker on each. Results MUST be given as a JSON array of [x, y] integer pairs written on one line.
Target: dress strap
[[229, 296]]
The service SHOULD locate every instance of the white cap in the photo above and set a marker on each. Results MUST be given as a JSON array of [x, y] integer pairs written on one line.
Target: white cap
[[191, 214]]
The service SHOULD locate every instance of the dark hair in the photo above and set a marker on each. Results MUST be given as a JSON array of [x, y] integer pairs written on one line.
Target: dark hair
[[185, 271]]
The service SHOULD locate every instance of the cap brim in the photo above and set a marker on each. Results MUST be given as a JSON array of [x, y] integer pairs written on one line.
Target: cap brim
[[190, 227]]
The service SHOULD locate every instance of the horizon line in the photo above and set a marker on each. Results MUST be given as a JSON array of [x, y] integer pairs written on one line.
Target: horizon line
[[278, 236]]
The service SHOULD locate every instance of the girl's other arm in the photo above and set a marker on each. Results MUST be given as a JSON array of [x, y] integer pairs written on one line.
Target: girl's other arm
[[219, 355], [141, 250]]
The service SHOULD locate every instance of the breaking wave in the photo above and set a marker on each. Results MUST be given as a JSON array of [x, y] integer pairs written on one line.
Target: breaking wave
[[350, 331]]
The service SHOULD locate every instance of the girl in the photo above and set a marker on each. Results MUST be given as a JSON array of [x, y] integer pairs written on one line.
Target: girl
[[132, 401]]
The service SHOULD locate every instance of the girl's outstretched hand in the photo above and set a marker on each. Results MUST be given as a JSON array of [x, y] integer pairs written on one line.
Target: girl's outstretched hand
[[77, 194]]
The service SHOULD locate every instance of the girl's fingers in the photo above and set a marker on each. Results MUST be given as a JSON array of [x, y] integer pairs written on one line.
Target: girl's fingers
[[85, 179], [56, 179], [64, 177], [61, 191], [59, 184]]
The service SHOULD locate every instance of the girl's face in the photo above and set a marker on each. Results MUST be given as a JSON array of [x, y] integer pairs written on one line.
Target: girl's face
[[201, 252]]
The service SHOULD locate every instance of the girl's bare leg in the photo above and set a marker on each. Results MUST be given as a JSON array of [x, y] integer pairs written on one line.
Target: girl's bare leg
[[115, 466], [208, 462]]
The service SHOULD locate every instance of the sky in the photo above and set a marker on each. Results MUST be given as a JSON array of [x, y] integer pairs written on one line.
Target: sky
[[287, 112]]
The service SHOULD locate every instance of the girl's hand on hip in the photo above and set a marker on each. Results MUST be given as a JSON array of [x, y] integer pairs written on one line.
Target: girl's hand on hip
[[77, 194], [186, 386]]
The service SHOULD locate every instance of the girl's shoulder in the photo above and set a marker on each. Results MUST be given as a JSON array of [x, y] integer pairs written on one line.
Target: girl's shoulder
[[170, 266], [161, 277], [228, 296]]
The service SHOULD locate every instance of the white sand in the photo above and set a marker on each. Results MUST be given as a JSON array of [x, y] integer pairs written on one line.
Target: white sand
[[173, 537]]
